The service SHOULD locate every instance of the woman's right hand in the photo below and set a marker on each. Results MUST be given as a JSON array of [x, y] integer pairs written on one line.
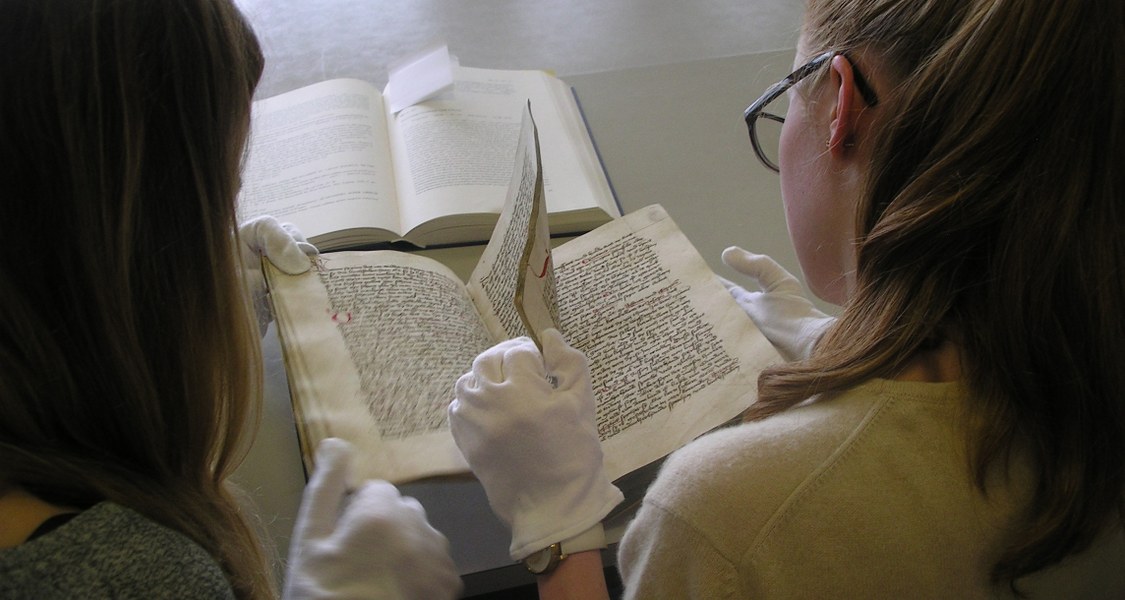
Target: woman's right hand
[[525, 421]]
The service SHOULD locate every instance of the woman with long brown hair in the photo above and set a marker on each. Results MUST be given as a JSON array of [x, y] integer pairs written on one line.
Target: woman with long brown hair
[[130, 366], [951, 173]]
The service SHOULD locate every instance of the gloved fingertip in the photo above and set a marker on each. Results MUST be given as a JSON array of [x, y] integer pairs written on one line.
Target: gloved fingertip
[[735, 255], [307, 248], [413, 505], [303, 244], [292, 260], [294, 232], [325, 491], [378, 490], [742, 260], [457, 406], [487, 366], [334, 453], [279, 245], [770, 275], [466, 381], [553, 341], [561, 359], [250, 226]]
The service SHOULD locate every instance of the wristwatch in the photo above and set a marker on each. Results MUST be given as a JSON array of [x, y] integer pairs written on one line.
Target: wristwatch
[[544, 561]]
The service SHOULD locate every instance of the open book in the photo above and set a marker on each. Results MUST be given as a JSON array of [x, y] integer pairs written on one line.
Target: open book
[[333, 159], [374, 341]]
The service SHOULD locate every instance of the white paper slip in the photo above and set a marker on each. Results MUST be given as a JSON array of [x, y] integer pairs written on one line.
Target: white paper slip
[[419, 77]]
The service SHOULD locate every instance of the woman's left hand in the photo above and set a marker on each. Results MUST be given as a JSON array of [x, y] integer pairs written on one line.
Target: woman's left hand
[[368, 543], [284, 246]]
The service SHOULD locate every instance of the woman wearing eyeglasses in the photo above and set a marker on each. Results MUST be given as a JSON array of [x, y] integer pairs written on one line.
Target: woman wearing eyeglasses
[[952, 178]]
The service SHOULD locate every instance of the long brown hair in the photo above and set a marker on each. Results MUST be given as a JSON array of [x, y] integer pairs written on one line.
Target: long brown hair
[[131, 366], [993, 217]]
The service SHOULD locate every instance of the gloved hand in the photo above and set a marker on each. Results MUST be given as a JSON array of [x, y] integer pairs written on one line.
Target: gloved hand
[[534, 446], [284, 245], [787, 318], [372, 543]]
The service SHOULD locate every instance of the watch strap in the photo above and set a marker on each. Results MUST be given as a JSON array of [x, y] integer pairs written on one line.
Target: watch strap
[[547, 559], [592, 538]]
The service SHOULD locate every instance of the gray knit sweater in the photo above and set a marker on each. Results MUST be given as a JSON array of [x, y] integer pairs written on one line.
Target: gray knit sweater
[[110, 551]]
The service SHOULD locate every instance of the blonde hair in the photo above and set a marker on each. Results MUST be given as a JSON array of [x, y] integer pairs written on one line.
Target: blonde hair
[[993, 218], [132, 367]]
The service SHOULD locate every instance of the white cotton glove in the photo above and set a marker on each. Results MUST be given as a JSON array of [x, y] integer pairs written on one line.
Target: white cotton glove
[[534, 447], [787, 318], [284, 245], [371, 543]]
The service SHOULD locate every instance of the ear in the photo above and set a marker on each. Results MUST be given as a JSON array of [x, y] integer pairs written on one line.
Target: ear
[[844, 128]]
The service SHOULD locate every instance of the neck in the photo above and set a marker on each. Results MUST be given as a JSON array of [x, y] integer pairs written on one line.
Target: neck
[[936, 365]]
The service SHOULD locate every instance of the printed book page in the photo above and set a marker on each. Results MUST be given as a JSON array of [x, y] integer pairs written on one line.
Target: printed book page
[[453, 154], [334, 161], [318, 157]]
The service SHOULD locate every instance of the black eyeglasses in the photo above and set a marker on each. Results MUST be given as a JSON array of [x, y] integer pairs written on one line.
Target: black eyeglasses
[[756, 111]]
